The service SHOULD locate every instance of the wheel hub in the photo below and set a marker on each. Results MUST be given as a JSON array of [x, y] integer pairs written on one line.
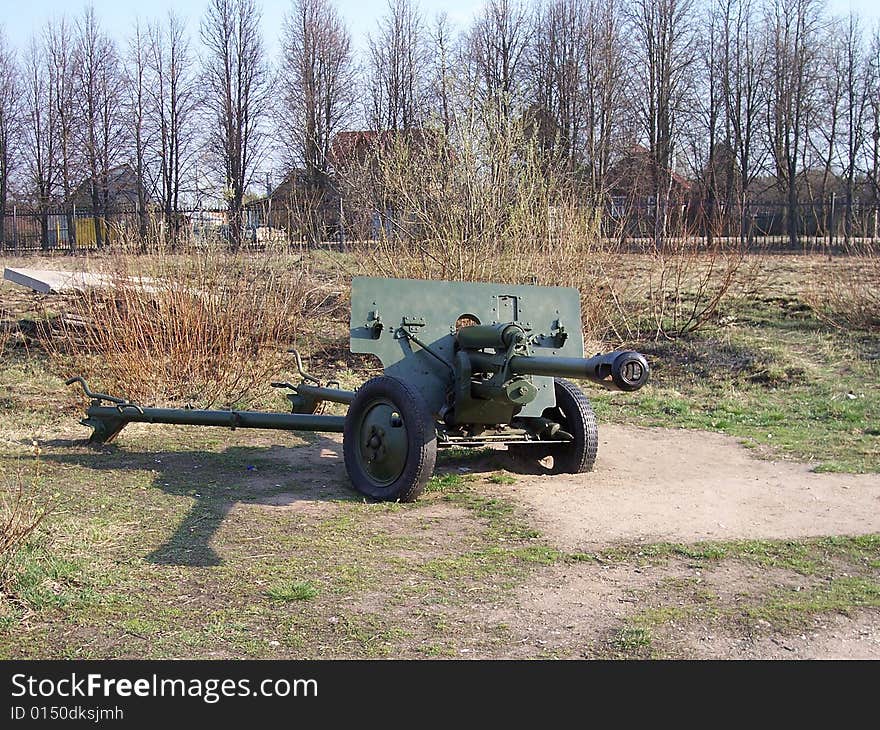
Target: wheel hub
[[383, 442]]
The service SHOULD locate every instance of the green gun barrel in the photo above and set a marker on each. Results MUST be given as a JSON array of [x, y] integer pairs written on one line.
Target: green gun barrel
[[619, 370], [477, 337]]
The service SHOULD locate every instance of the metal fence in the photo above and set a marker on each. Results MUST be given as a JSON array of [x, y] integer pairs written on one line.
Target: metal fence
[[77, 230], [825, 225], [828, 224]]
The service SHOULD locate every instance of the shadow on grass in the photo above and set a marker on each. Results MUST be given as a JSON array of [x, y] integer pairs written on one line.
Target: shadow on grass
[[265, 475], [217, 481]]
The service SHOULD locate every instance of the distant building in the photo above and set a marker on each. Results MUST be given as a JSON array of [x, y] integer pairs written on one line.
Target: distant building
[[367, 208], [298, 207], [121, 191], [363, 146], [633, 192]]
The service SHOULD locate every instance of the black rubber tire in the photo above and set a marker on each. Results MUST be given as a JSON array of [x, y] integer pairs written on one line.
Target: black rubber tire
[[421, 434], [574, 412]]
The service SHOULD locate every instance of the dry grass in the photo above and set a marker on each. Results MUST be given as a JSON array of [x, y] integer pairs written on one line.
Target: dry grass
[[7, 327], [23, 507], [675, 290], [205, 328], [847, 295]]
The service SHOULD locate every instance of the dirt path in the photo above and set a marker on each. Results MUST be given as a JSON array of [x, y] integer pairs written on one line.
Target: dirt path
[[669, 484], [571, 610]]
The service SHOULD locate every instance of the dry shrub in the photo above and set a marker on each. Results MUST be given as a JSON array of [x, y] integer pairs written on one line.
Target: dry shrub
[[846, 293], [23, 506], [670, 291], [206, 328], [493, 209], [7, 328]]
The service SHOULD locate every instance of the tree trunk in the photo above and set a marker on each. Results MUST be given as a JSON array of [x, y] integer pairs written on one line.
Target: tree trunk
[[3, 195], [71, 229], [792, 215], [96, 217], [848, 201], [142, 208], [235, 223], [44, 229]]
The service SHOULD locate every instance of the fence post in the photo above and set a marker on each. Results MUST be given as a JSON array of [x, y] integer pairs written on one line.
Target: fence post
[[831, 235], [15, 228]]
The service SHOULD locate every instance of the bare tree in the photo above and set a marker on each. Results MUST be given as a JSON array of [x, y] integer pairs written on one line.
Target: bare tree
[[496, 48], [856, 98], [557, 70], [237, 83], [58, 44], [824, 118], [712, 159], [577, 78], [40, 133], [396, 68], [442, 76], [607, 106], [664, 38], [9, 123], [792, 27], [872, 161], [173, 102], [742, 60], [136, 119], [98, 91], [317, 85]]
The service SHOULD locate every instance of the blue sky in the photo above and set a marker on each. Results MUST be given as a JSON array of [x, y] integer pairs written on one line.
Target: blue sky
[[22, 17]]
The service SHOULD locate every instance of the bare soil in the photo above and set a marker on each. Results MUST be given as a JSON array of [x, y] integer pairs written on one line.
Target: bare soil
[[657, 484], [578, 611], [652, 485], [829, 637]]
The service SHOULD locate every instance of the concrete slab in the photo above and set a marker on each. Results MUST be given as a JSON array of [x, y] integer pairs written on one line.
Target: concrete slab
[[48, 281]]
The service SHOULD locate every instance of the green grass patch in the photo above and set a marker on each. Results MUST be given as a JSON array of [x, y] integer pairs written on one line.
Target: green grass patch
[[633, 641], [806, 556], [790, 609], [41, 580], [790, 387], [782, 610], [839, 575], [446, 482], [501, 478], [300, 590]]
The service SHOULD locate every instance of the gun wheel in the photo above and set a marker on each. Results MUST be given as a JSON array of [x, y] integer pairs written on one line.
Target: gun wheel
[[390, 440], [575, 414]]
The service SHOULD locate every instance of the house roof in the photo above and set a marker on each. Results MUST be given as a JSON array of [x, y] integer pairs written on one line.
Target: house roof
[[641, 154], [356, 144], [121, 187]]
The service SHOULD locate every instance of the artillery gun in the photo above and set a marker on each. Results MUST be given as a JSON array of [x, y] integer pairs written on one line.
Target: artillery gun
[[465, 365]]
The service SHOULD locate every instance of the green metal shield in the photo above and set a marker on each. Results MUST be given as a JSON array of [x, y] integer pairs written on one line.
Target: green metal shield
[[409, 325]]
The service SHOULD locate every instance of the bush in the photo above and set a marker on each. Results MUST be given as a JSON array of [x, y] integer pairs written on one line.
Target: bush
[[205, 328], [493, 208]]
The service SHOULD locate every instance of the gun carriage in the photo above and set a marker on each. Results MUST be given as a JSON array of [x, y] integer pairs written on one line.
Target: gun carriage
[[465, 365]]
